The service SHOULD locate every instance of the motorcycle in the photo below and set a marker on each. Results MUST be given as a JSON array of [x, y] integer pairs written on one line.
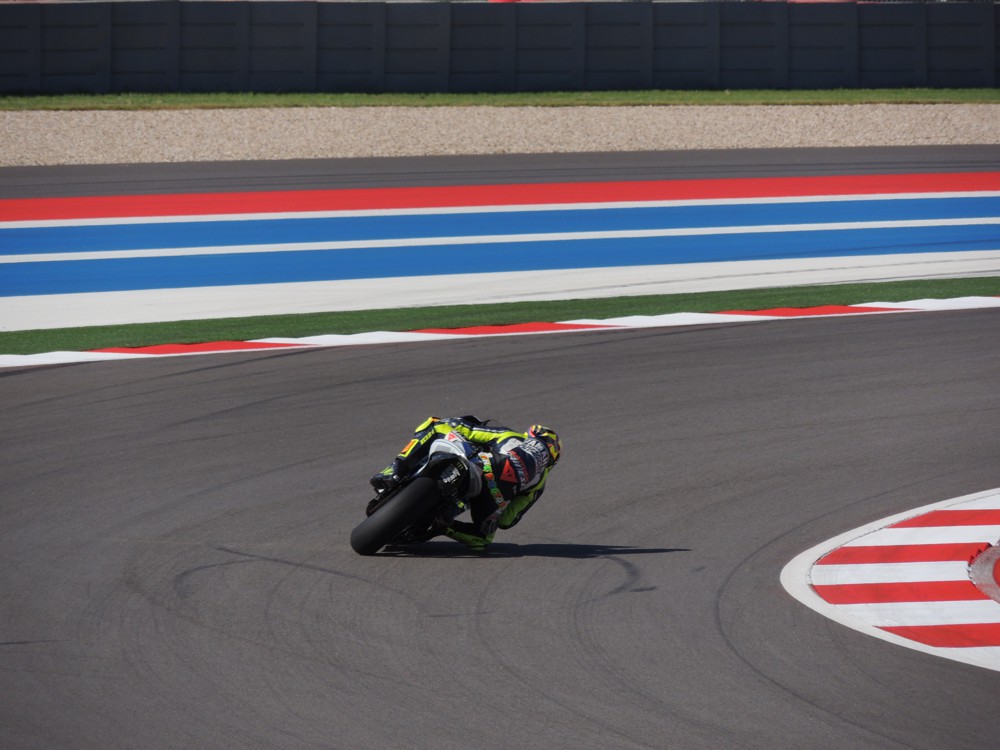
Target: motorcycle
[[424, 500]]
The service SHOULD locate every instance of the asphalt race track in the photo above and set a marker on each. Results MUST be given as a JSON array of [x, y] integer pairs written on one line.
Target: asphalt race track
[[177, 574], [318, 174]]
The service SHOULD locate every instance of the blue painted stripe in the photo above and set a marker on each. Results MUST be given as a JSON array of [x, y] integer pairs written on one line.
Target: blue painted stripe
[[263, 232], [264, 268]]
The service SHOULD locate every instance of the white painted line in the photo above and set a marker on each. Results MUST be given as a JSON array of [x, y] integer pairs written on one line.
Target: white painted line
[[880, 536], [964, 303], [373, 337], [672, 319], [198, 303], [987, 502], [62, 358], [489, 239]]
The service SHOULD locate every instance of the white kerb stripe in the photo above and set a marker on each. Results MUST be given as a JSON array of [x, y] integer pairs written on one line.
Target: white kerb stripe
[[990, 502], [834, 575], [926, 613], [895, 537]]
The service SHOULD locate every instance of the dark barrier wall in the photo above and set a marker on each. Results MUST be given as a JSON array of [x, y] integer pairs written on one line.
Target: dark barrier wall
[[430, 47]]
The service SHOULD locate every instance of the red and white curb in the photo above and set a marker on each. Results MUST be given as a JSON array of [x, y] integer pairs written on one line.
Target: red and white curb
[[439, 334], [926, 579]]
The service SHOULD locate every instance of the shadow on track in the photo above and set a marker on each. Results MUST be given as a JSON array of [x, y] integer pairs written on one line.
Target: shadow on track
[[507, 550]]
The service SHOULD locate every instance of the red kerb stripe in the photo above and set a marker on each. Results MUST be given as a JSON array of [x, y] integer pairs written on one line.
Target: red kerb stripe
[[986, 517], [199, 204], [903, 553], [924, 591], [951, 636]]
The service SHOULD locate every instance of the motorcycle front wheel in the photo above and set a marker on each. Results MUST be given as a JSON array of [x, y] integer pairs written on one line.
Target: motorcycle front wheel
[[399, 513]]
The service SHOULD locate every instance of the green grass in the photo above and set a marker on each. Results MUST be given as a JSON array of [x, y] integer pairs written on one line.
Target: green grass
[[82, 339], [542, 99]]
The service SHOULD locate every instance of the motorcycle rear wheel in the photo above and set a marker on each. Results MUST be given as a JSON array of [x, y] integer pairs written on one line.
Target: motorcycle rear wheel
[[398, 514]]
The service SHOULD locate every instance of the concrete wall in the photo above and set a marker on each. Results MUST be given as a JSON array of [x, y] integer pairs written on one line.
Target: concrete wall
[[463, 47]]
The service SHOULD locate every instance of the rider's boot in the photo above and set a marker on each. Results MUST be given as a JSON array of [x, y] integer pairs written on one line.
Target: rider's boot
[[469, 535]]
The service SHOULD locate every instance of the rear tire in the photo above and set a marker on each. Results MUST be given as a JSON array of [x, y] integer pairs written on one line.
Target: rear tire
[[399, 513]]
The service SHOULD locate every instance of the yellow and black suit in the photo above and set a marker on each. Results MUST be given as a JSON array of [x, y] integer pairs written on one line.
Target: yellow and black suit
[[519, 463]]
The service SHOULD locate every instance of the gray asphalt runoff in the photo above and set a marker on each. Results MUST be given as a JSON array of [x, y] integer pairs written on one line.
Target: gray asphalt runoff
[[176, 570]]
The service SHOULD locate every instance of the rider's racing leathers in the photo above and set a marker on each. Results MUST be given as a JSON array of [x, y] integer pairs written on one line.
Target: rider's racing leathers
[[515, 467]]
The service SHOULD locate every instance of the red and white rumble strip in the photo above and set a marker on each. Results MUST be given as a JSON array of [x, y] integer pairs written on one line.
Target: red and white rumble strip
[[926, 579], [438, 334]]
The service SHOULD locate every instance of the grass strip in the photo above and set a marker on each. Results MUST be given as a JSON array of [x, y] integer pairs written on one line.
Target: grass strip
[[168, 101], [405, 319]]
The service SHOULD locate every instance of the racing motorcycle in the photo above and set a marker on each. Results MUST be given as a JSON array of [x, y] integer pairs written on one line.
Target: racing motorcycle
[[424, 500]]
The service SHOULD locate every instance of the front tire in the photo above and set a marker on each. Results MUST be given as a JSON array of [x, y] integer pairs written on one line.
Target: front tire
[[399, 513]]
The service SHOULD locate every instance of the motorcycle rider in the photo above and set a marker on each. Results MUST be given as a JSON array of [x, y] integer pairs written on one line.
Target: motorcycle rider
[[515, 467]]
